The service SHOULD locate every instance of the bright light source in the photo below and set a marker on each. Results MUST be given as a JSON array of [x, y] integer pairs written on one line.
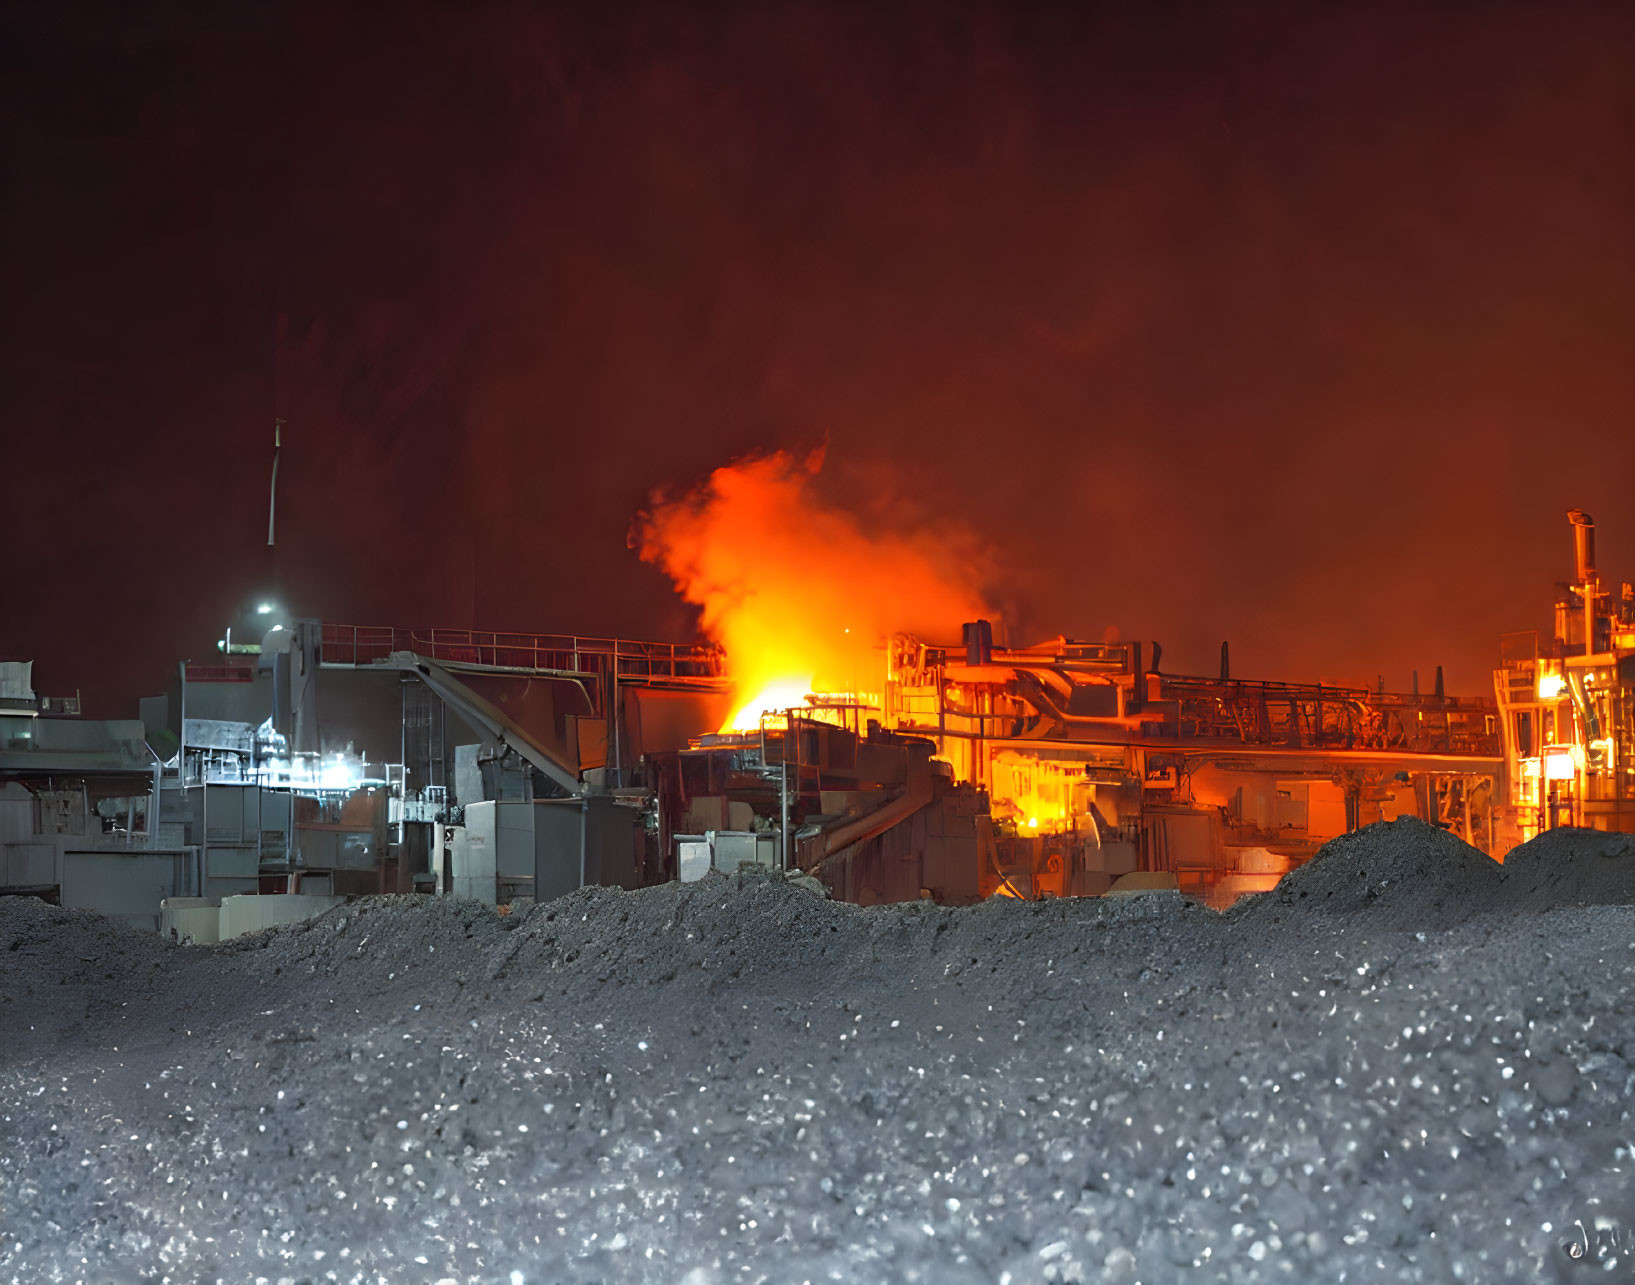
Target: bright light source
[[264, 609], [1559, 765], [1550, 686], [776, 697], [1033, 823]]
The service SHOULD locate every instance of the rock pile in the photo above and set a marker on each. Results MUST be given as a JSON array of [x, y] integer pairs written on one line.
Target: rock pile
[[1407, 1063]]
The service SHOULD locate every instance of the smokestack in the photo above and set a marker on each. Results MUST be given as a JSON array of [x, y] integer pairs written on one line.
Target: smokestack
[[1226, 663], [1440, 693], [978, 642], [1157, 655], [1416, 684], [1583, 546], [1584, 570]]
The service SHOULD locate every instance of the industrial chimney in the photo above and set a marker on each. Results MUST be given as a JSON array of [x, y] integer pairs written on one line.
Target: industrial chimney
[[1586, 579], [1583, 546]]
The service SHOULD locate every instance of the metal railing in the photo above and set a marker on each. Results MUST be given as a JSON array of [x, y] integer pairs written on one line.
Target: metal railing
[[560, 653]]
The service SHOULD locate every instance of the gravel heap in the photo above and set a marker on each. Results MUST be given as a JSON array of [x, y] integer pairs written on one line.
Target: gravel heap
[[1400, 873], [1573, 868], [1399, 1066]]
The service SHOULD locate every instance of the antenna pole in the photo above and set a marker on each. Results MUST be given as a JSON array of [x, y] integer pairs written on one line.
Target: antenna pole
[[272, 496]]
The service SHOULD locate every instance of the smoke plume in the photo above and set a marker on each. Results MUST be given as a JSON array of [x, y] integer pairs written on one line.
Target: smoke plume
[[799, 592]]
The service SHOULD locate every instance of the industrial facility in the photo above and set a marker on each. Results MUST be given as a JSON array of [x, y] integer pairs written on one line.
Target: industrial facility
[[319, 761], [1567, 707]]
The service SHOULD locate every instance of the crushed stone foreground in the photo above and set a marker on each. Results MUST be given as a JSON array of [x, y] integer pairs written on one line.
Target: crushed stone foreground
[[1403, 1064]]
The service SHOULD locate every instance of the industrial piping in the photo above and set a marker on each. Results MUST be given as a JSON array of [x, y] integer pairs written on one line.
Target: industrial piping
[[822, 848]]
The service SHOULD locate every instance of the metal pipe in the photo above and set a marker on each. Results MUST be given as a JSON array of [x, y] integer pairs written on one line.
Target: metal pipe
[[917, 793], [783, 809], [1586, 707], [1231, 751], [1086, 720], [154, 808], [204, 827], [289, 830], [613, 701], [181, 751]]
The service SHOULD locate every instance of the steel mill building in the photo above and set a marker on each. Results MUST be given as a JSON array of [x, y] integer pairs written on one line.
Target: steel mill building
[[320, 760]]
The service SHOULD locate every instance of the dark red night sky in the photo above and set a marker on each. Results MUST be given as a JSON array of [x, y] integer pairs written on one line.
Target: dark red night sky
[[1295, 325]]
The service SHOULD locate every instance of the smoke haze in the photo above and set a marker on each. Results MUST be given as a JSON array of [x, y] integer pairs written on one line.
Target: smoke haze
[[1295, 326]]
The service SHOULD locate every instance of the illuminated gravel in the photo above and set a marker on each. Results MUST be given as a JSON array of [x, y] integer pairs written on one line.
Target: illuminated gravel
[[737, 1081]]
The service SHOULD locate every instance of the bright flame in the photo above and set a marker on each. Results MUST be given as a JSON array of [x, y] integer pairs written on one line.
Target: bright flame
[[1550, 686], [799, 594], [1036, 794], [774, 698]]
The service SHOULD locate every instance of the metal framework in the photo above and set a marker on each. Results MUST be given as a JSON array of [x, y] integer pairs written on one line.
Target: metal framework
[[537, 653], [1338, 718]]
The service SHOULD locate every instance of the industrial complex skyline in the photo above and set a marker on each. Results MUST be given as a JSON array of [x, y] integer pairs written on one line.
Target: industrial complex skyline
[[920, 640]]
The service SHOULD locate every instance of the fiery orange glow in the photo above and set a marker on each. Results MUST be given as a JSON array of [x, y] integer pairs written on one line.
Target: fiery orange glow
[[1036, 794], [799, 593], [774, 698]]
